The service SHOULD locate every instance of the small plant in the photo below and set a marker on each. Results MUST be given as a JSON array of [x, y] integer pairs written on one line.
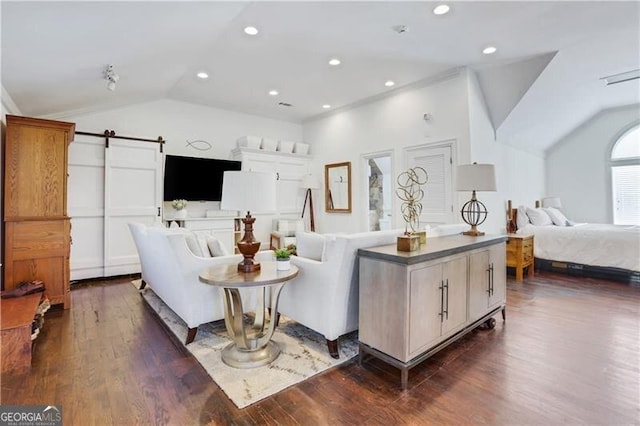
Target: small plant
[[179, 204], [283, 254]]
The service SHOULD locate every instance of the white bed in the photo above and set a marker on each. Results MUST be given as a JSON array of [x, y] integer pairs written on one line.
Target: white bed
[[609, 246], [586, 249]]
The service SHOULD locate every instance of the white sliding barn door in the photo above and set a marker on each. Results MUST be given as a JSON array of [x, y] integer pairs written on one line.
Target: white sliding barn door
[[107, 188], [437, 204], [85, 205], [133, 193]]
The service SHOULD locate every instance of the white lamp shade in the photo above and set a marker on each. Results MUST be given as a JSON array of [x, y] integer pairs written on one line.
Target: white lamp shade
[[310, 181], [248, 191], [552, 202], [476, 177]]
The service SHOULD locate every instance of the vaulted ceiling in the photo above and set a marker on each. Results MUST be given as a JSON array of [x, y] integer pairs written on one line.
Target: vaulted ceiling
[[543, 81]]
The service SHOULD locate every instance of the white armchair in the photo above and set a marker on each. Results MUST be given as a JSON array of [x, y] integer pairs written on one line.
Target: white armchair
[[172, 271], [324, 296]]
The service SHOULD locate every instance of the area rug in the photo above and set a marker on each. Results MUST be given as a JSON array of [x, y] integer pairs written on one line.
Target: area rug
[[303, 354]]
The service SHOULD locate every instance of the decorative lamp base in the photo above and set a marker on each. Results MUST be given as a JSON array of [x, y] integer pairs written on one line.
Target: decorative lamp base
[[473, 213], [408, 243], [473, 233], [248, 246], [248, 250]]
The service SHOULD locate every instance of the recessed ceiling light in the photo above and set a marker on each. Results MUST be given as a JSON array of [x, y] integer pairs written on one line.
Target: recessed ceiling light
[[389, 83], [334, 61], [273, 92], [326, 106], [441, 9], [251, 30], [203, 75], [489, 50]]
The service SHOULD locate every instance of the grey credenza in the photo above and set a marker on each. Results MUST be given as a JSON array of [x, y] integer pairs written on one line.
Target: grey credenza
[[412, 304]]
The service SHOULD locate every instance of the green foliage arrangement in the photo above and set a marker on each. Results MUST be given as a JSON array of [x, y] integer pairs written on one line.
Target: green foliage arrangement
[[282, 254]]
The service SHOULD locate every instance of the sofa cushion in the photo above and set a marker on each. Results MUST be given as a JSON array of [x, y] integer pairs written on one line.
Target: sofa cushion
[[216, 248], [197, 244], [310, 245]]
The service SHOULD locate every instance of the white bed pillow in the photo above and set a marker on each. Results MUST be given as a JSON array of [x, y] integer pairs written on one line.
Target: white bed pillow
[[539, 217], [557, 217], [310, 245], [522, 219]]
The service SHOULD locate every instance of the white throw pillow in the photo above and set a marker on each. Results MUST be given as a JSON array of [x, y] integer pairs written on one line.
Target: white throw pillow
[[522, 219], [539, 217], [216, 248], [196, 244], [557, 217], [310, 245]]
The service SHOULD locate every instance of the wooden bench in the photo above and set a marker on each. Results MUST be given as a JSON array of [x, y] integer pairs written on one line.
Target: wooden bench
[[17, 315]]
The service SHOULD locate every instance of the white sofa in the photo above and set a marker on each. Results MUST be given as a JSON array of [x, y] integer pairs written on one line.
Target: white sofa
[[171, 269], [324, 296]]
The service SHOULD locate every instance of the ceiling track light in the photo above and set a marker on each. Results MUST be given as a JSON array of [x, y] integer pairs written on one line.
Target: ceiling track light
[[622, 77], [112, 77]]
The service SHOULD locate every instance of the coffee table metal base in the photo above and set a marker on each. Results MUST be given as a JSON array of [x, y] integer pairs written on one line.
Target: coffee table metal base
[[252, 346], [238, 358]]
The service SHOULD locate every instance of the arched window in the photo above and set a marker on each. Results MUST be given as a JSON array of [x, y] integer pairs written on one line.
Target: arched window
[[625, 178]]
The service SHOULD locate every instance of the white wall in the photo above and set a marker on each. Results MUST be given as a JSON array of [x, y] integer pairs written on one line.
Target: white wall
[[519, 174], [178, 122], [458, 112], [392, 123], [577, 167]]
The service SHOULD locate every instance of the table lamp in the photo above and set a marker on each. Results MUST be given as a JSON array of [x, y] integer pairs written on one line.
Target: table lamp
[[248, 191], [475, 177], [309, 182]]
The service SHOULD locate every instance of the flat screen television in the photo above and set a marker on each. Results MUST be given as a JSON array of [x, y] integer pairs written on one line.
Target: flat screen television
[[195, 179]]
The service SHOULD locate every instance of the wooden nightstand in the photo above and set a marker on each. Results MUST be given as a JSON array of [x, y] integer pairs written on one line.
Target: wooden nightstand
[[520, 254]]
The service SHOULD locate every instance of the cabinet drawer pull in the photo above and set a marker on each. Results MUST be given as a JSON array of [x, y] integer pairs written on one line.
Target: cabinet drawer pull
[[447, 305], [441, 313]]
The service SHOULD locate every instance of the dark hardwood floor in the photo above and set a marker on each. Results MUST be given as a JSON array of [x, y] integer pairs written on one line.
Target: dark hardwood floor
[[569, 353]]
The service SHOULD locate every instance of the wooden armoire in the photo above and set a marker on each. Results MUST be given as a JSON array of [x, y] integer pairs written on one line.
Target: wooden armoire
[[37, 230]]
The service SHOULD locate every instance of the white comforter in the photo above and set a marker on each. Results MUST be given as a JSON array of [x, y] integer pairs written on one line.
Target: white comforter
[[614, 246]]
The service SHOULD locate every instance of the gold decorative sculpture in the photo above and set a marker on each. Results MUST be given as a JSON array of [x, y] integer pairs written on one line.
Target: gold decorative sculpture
[[411, 193]]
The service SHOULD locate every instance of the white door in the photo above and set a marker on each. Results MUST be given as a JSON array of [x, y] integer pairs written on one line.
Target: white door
[[133, 193], [379, 195], [437, 204], [85, 205]]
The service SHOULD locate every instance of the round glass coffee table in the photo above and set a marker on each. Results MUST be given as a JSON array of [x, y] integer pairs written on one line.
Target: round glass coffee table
[[252, 345]]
